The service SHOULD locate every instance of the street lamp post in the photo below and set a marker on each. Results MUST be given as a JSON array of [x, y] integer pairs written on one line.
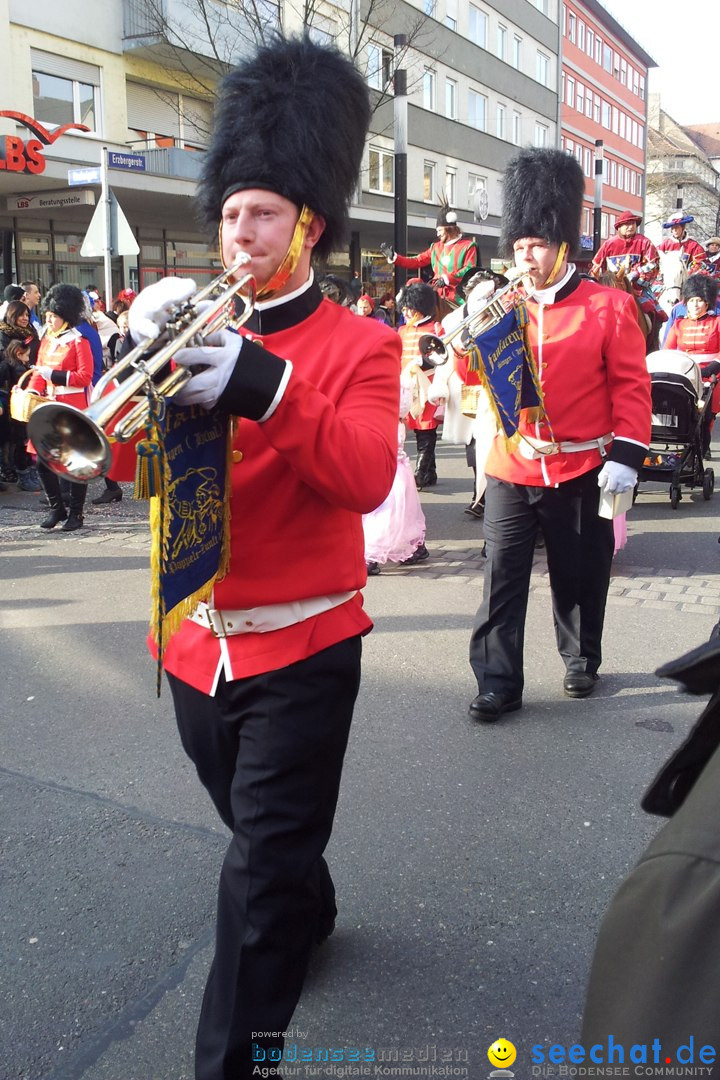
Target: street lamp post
[[401, 145], [597, 210]]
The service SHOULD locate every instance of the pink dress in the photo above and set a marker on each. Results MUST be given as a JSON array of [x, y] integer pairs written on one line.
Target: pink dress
[[396, 529]]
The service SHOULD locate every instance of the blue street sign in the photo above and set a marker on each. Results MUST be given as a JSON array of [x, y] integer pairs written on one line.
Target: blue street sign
[[133, 162], [84, 176]]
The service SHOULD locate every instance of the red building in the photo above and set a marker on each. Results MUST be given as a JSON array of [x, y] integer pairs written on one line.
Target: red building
[[604, 96]]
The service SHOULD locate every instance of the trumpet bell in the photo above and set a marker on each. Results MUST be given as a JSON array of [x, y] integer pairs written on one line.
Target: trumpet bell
[[69, 442]]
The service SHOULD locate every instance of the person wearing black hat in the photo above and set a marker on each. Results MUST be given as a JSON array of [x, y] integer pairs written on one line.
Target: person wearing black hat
[[64, 372], [592, 432], [418, 304], [450, 256], [264, 681]]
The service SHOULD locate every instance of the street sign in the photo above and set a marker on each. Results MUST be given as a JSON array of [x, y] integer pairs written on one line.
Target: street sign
[[122, 238], [51, 200], [85, 176], [132, 162]]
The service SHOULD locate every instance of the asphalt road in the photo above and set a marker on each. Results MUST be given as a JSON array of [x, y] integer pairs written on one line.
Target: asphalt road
[[473, 864]]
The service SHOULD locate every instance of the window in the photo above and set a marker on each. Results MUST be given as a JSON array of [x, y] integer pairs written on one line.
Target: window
[[379, 66], [478, 26], [428, 89], [636, 82], [590, 43], [598, 50], [429, 181], [597, 102], [451, 22], [451, 185], [642, 87], [604, 224], [381, 171], [621, 132], [613, 174], [543, 5], [451, 13], [607, 58], [606, 114], [569, 146], [623, 72], [451, 99], [517, 127], [541, 135], [633, 183], [615, 120], [65, 91], [641, 136], [589, 104], [570, 92], [571, 26], [581, 35], [477, 110], [475, 183], [500, 41], [517, 52], [580, 98], [542, 68], [430, 8], [640, 184], [587, 169], [166, 118], [500, 121]]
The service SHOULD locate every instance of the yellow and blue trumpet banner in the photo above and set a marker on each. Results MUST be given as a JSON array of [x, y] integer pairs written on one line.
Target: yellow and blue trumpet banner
[[509, 371], [189, 515]]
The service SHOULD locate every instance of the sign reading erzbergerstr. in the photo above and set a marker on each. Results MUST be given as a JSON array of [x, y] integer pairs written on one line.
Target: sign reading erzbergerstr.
[[133, 162]]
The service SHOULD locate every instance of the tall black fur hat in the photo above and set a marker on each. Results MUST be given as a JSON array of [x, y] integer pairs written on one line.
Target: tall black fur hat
[[292, 120], [67, 301], [420, 297], [542, 196], [703, 286]]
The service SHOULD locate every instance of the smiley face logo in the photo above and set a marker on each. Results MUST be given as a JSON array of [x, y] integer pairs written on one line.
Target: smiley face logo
[[502, 1054]]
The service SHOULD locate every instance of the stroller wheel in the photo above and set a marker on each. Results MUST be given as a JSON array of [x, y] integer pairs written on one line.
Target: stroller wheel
[[675, 496], [708, 484]]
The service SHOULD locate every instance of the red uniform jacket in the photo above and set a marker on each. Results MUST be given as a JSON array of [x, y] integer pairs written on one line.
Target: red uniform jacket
[[449, 262], [590, 354], [639, 246], [695, 335], [301, 482], [694, 252], [410, 334], [70, 357]]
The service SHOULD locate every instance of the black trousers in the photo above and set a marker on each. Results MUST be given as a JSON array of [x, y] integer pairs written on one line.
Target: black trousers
[[53, 487], [269, 749], [579, 547], [425, 464]]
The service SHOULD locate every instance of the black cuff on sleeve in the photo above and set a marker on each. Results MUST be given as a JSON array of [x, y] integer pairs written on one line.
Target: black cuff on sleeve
[[627, 453], [255, 381], [59, 378]]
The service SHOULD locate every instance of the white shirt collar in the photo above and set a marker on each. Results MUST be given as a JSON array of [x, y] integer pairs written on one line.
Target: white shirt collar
[[548, 296]]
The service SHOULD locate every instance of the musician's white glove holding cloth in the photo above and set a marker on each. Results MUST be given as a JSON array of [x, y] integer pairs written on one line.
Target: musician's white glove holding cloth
[[614, 477], [150, 309]]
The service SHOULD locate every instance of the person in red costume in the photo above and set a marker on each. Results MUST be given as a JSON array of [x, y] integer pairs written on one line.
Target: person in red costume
[[698, 335], [693, 253], [64, 371], [264, 679], [418, 305], [590, 356], [450, 257], [630, 250]]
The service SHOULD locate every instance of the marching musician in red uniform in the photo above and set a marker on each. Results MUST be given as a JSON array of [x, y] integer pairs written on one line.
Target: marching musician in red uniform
[[265, 679], [418, 304], [64, 372], [451, 256], [691, 251], [590, 356]]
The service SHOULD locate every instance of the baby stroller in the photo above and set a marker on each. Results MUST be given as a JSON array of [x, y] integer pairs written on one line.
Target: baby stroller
[[681, 419]]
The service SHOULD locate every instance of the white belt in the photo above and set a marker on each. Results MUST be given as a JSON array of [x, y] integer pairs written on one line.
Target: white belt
[[70, 389], [536, 448], [261, 620]]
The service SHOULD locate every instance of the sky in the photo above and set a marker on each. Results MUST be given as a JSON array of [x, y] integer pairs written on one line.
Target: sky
[[684, 42]]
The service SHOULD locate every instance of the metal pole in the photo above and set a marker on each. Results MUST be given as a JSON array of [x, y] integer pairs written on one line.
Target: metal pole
[[597, 211], [107, 210], [401, 146]]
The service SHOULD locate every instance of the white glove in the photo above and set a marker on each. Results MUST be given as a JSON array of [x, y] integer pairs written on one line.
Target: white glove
[[218, 358], [46, 373], [149, 311], [615, 478]]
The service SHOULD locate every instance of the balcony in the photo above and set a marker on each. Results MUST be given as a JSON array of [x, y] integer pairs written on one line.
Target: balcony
[[194, 35], [172, 161]]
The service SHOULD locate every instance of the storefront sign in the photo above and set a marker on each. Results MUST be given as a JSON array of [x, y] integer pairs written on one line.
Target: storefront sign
[[51, 200], [26, 155]]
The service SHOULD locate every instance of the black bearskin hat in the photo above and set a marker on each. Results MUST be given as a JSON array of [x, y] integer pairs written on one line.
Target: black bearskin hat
[[703, 286], [420, 297], [292, 120], [446, 215], [67, 301], [542, 196]]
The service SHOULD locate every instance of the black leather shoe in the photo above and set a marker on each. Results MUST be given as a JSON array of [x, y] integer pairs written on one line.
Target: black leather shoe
[[490, 706], [577, 684], [109, 495]]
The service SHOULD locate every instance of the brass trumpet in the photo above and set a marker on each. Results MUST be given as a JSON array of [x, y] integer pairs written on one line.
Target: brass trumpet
[[433, 349], [75, 442]]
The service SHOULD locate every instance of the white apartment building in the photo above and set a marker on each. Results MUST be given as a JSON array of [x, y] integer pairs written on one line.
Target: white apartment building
[[140, 76]]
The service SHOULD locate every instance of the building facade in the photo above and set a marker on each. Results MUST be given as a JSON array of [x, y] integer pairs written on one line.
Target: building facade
[[140, 77], [604, 99]]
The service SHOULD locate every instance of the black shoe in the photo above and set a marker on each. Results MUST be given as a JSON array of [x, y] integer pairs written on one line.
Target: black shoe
[[54, 518], [419, 555], [109, 495], [74, 521], [578, 684], [490, 706], [476, 509], [373, 569]]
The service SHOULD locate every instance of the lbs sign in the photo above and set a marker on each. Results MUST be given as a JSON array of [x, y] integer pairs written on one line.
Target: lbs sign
[[26, 155]]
